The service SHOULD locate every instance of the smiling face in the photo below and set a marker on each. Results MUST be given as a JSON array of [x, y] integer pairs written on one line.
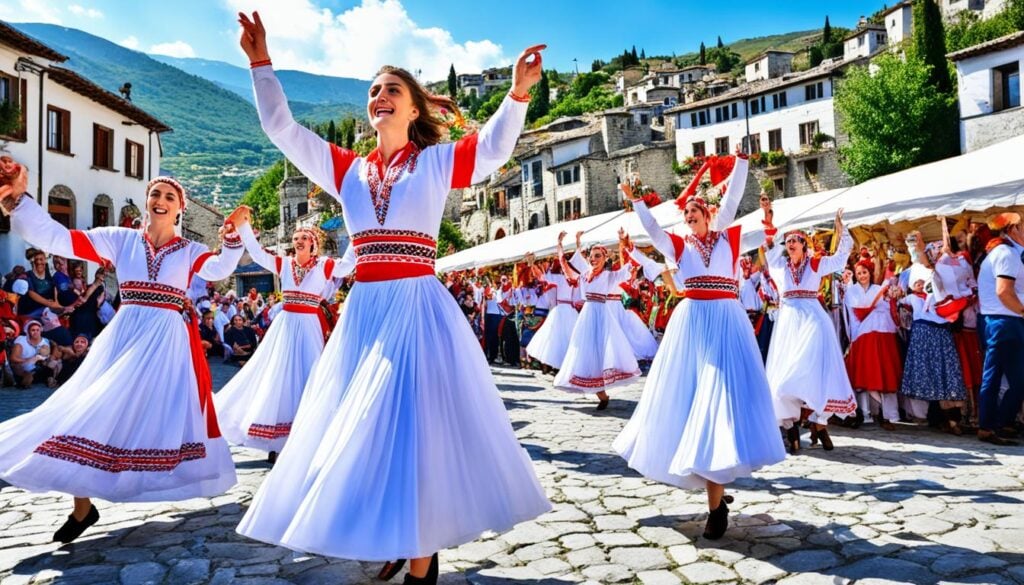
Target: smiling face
[[39, 261], [163, 204], [80, 344], [303, 244], [35, 332], [390, 104], [597, 257], [863, 275], [696, 217]]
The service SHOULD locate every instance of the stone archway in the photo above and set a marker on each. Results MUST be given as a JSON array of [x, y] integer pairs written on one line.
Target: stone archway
[[127, 216], [60, 203], [534, 222], [102, 211], [499, 234]]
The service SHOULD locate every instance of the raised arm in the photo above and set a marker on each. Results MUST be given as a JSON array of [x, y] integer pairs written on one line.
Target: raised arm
[[733, 195], [344, 265], [213, 267], [260, 256], [837, 261], [98, 245], [663, 241]]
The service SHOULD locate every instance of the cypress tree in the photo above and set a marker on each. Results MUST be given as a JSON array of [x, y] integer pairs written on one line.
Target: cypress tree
[[930, 43], [453, 82], [720, 43], [332, 133], [826, 34], [703, 54]]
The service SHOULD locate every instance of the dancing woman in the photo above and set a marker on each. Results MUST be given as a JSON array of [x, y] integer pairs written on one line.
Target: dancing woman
[[136, 422], [401, 446], [599, 355], [705, 416], [551, 342], [257, 407]]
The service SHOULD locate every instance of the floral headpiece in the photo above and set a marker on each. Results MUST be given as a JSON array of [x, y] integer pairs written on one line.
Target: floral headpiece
[[315, 234], [709, 184]]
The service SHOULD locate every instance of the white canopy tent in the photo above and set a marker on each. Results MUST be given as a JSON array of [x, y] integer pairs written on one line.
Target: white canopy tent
[[992, 177]]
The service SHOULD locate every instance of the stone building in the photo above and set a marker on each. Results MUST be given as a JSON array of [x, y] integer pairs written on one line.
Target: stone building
[[989, 85], [202, 222]]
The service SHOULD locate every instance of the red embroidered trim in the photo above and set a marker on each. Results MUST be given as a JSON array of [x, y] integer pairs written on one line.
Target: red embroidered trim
[[155, 256], [275, 431], [233, 241], [300, 272], [380, 189], [796, 271], [595, 298], [519, 98], [609, 376], [115, 460], [848, 406], [152, 294], [712, 283], [255, 64], [800, 294], [294, 297], [465, 162], [705, 246]]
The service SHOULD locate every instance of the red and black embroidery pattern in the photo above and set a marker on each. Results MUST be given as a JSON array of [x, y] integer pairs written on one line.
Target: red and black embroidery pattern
[[152, 294], [155, 257], [607, 377], [294, 297], [299, 272], [233, 241], [800, 294], [404, 246], [276, 431], [712, 283], [115, 460], [796, 271], [705, 246], [380, 189], [595, 298]]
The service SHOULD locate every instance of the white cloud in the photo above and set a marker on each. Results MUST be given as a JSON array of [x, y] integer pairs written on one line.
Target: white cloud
[[175, 49], [130, 43], [356, 42], [79, 10], [30, 11]]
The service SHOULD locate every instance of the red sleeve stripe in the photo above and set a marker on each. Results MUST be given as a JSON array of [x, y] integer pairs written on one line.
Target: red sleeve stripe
[[277, 264], [329, 267], [83, 248], [677, 243], [465, 162], [198, 264], [734, 234], [342, 159]]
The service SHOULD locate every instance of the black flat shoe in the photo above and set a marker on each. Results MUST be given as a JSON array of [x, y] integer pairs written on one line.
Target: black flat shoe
[[272, 457], [826, 440], [602, 405], [429, 579], [390, 569], [793, 439], [814, 436], [718, 522], [72, 529]]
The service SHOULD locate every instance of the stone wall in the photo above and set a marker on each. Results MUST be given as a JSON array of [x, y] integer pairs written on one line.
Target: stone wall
[[619, 130], [202, 222], [828, 176], [984, 131]]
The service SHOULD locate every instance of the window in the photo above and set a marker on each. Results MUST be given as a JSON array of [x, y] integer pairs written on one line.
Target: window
[[302, 209], [100, 215], [538, 179], [644, 119], [102, 147], [735, 110], [807, 132], [1006, 87], [757, 67], [780, 185], [704, 117], [880, 38], [58, 129], [568, 176], [755, 107], [722, 145], [752, 143], [693, 120], [14, 90], [779, 100], [811, 167], [134, 163], [814, 91], [775, 139], [860, 41], [699, 149], [569, 209]]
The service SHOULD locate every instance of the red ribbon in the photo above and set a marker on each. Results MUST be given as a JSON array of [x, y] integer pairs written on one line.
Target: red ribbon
[[297, 308], [203, 379]]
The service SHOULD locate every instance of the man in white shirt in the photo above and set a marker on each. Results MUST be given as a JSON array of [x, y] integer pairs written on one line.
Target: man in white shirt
[[1001, 295]]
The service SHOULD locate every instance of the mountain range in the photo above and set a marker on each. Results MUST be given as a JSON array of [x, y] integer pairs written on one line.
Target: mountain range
[[216, 147]]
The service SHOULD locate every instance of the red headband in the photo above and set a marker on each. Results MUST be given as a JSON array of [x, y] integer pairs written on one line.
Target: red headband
[[176, 185], [313, 233], [866, 264]]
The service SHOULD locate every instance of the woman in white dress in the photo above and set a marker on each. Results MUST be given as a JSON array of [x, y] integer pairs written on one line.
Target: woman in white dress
[[805, 363], [599, 356], [401, 446], [705, 416], [136, 422], [639, 337], [257, 406], [551, 342]]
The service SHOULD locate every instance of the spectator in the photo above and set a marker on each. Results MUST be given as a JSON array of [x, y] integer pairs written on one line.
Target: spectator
[[1001, 293], [42, 292], [223, 316], [86, 316], [211, 339], [17, 273], [78, 280], [72, 357], [8, 333], [241, 339], [28, 356], [9, 301], [66, 294]]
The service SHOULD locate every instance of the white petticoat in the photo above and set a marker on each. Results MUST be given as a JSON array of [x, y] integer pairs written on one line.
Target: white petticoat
[[805, 365], [551, 342], [402, 445], [599, 356], [127, 426], [637, 334], [257, 407], [706, 411]]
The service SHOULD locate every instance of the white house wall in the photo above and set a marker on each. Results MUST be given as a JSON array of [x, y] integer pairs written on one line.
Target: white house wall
[[975, 79], [570, 151]]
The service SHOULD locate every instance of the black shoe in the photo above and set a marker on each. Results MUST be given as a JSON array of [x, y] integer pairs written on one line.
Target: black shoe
[[857, 421], [72, 529], [390, 569], [826, 440], [272, 457], [603, 404], [718, 522], [793, 439], [814, 436], [429, 579]]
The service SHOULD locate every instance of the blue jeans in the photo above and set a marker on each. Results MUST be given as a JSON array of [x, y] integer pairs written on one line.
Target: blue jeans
[[1004, 348]]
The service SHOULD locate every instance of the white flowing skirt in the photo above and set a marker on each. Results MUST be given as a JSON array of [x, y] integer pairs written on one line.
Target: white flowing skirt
[[706, 410], [402, 445], [599, 355], [551, 342], [127, 426], [257, 407], [637, 334], [805, 365]]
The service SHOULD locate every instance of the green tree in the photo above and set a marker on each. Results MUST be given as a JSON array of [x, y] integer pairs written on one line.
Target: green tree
[[703, 54], [453, 82], [724, 59], [540, 99], [263, 197], [814, 55], [889, 117], [720, 44], [449, 236], [347, 132], [930, 43], [634, 59], [826, 33], [332, 133], [643, 54], [597, 65]]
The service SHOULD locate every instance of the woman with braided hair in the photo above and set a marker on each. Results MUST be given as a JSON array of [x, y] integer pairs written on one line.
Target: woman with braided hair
[[257, 407], [136, 421]]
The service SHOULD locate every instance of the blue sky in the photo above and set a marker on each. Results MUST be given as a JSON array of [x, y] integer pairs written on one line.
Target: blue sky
[[354, 37]]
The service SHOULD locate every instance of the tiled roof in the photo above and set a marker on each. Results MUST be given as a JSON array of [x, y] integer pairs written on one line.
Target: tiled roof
[[1010, 40]]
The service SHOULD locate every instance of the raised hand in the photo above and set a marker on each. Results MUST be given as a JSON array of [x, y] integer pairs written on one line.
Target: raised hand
[[839, 221], [579, 237], [254, 37], [241, 215], [526, 73], [561, 236], [627, 190]]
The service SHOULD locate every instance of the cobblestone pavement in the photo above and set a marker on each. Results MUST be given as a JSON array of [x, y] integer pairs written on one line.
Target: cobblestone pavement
[[910, 506]]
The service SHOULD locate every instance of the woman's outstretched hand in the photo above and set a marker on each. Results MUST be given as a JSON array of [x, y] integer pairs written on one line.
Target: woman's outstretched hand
[[525, 73], [254, 37]]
